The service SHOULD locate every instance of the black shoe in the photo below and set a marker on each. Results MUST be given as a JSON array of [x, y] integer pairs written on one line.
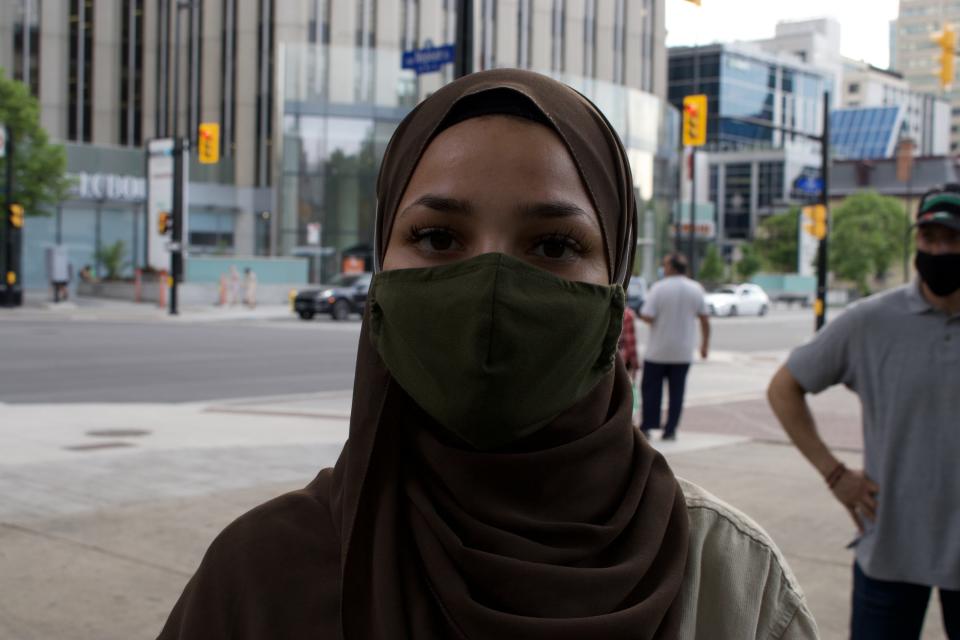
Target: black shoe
[[669, 436]]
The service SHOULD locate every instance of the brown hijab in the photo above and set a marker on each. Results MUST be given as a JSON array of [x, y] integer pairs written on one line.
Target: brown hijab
[[578, 531]]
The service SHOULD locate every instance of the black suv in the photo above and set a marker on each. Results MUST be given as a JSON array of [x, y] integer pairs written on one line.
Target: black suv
[[346, 294]]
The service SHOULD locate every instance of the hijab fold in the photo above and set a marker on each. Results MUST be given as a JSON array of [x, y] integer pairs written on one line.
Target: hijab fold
[[578, 531]]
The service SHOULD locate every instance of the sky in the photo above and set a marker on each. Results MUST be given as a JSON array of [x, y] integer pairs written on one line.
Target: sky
[[864, 24]]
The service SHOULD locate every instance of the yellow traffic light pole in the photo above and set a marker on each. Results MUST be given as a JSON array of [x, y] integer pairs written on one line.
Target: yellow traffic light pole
[[694, 134], [820, 306], [11, 294]]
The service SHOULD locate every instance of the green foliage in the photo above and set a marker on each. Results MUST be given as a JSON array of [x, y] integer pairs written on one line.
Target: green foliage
[[750, 262], [39, 167], [867, 237], [776, 241], [711, 271], [111, 257]]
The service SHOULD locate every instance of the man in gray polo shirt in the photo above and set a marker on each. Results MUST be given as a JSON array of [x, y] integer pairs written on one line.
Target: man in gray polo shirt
[[899, 351]]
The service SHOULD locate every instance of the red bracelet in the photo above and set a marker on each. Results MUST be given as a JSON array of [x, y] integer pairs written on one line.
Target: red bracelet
[[834, 476]]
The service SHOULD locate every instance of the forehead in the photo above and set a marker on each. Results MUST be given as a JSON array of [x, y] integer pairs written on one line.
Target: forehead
[[938, 232]]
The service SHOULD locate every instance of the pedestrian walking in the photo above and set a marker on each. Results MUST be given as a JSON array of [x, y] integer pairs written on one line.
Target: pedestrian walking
[[672, 309], [234, 284], [492, 485], [249, 287], [899, 351]]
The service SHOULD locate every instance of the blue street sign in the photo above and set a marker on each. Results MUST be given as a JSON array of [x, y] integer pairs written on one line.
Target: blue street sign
[[809, 185], [429, 58]]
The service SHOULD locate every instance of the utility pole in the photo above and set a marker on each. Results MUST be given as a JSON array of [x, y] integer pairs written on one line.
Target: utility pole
[[463, 65], [179, 148], [820, 308], [692, 239]]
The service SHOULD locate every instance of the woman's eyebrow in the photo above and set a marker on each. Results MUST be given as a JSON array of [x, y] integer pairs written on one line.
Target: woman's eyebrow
[[552, 209], [440, 203]]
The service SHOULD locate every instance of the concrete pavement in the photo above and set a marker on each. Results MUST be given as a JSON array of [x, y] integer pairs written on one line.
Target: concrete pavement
[[106, 509]]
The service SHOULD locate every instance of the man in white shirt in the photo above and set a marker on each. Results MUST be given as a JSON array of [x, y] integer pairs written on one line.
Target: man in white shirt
[[671, 309]]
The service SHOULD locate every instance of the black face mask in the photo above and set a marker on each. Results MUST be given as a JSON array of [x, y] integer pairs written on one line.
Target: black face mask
[[941, 272]]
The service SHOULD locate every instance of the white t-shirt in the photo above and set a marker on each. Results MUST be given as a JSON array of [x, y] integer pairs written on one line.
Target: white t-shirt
[[674, 303]]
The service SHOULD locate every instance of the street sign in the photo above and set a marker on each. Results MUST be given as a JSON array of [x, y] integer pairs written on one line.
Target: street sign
[[703, 230], [808, 185], [159, 199], [313, 234], [429, 58]]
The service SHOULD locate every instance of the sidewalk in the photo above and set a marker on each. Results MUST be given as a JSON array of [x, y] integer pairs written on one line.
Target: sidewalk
[[105, 510], [37, 307]]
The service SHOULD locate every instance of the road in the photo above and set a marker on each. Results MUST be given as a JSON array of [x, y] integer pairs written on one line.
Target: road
[[62, 360]]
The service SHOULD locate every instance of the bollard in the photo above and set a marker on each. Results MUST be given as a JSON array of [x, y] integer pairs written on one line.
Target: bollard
[[223, 290], [292, 296], [162, 295]]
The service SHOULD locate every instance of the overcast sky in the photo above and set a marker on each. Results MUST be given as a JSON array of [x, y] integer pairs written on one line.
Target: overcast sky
[[865, 24]]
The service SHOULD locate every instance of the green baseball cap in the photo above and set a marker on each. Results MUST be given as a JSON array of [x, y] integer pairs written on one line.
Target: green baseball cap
[[942, 208]]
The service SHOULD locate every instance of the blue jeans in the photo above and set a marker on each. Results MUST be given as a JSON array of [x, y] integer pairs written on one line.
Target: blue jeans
[[885, 610], [651, 390]]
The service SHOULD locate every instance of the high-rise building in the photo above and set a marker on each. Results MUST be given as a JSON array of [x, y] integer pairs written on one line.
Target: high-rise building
[[915, 54], [289, 82]]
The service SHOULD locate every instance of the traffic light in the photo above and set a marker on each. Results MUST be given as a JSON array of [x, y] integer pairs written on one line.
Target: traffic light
[[16, 215], [947, 39], [164, 222], [695, 120], [815, 221], [208, 143]]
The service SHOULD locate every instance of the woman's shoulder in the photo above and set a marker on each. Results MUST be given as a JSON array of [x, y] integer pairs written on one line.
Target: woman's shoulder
[[737, 577], [273, 571]]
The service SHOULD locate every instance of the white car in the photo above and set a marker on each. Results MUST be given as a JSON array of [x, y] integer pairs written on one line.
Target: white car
[[738, 299]]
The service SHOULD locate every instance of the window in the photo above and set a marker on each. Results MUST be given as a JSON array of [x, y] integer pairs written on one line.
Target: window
[[26, 45], [853, 87], [131, 73], [590, 39], [80, 72], [228, 78], [559, 34], [736, 201]]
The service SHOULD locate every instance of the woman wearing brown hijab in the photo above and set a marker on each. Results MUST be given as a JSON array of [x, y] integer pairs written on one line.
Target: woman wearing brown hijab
[[492, 485]]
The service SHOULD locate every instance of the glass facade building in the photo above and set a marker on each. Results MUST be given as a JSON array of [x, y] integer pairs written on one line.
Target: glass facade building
[[747, 84], [334, 134]]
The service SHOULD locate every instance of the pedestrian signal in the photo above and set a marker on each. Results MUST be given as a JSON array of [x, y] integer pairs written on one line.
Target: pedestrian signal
[[164, 222], [208, 143], [16, 215], [947, 39], [815, 221], [695, 120]]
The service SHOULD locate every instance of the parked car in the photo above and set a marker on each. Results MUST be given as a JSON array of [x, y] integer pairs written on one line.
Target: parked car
[[636, 293], [346, 294], [738, 299]]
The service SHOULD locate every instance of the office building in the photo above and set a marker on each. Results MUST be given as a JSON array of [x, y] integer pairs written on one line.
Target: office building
[[300, 88]]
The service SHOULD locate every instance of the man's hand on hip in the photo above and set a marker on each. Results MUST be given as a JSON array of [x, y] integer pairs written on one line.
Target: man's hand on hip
[[858, 494]]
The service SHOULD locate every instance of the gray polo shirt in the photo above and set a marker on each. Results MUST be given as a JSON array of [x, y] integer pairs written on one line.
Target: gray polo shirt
[[902, 357]]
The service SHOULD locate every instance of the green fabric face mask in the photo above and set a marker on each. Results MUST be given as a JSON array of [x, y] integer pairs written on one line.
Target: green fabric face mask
[[492, 347]]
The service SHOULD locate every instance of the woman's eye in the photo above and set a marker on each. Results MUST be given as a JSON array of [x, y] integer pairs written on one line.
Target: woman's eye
[[557, 248], [435, 240]]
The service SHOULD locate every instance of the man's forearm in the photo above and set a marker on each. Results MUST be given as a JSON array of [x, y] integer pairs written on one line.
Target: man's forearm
[[704, 333], [788, 401]]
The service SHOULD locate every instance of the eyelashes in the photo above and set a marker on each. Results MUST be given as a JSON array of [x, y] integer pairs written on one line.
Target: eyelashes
[[552, 245]]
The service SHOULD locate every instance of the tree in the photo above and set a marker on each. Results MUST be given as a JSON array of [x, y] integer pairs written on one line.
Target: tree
[[111, 256], [867, 235], [776, 241], [39, 179], [711, 271], [749, 263]]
